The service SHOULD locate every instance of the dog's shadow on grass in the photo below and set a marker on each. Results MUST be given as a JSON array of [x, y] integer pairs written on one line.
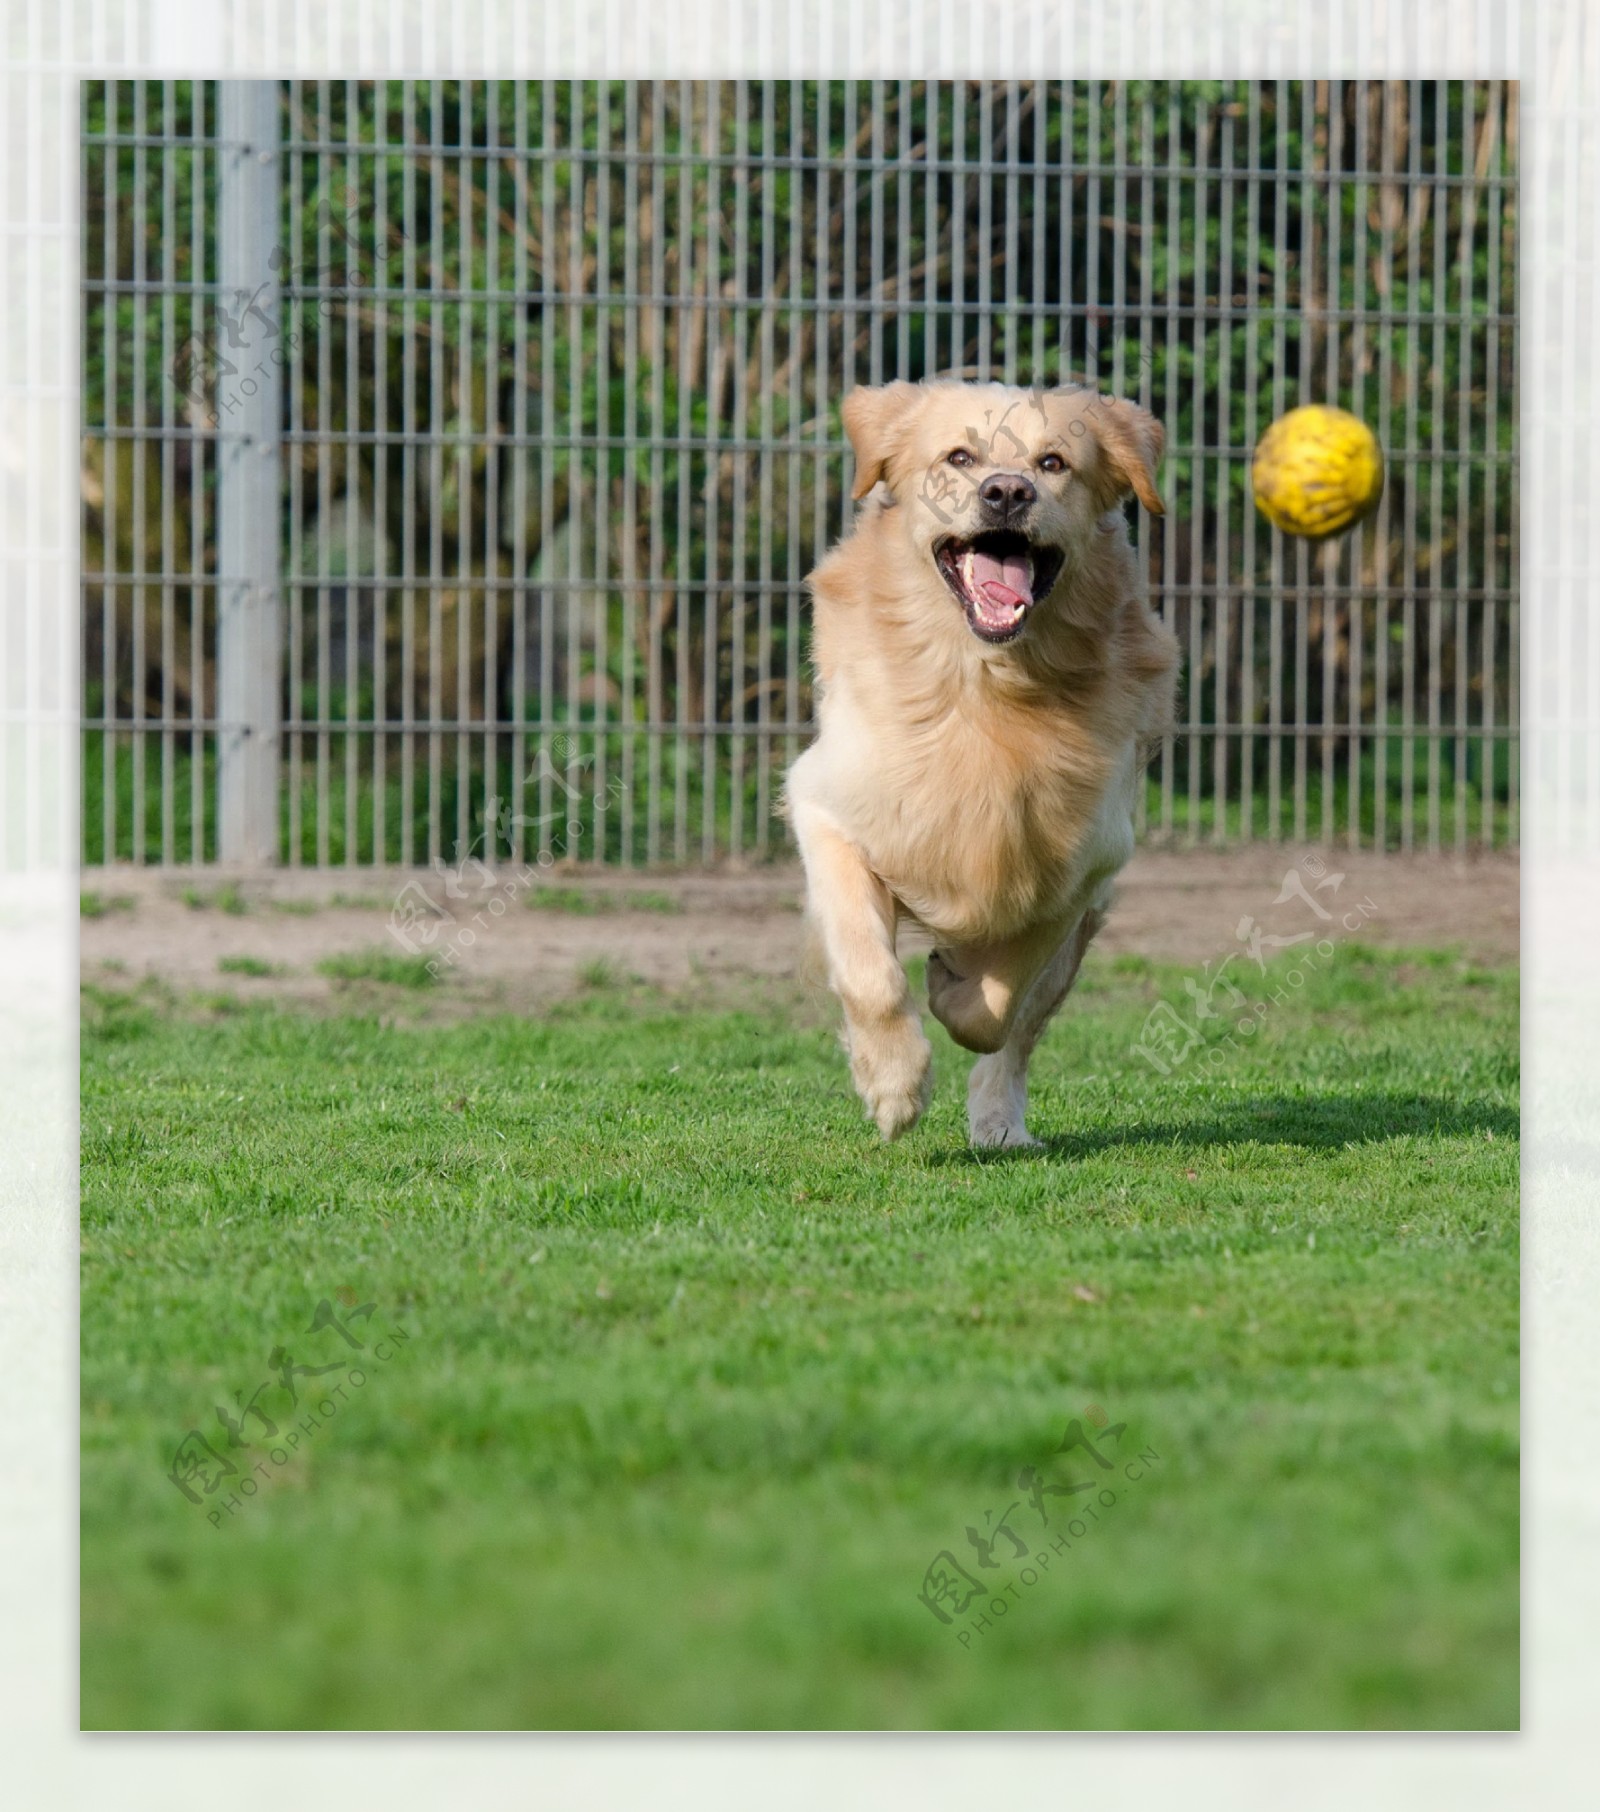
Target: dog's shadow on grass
[[1314, 1123]]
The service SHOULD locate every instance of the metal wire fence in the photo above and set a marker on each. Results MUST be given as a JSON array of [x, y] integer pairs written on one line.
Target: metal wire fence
[[454, 453]]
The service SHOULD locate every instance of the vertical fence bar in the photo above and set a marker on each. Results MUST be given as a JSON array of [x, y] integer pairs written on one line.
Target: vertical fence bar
[[1334, 562], [1467, 203], [597, 783], [169, 490], [249, 631], [87, 162], [549, 279], [381, 590], [1390, 204], [1249, 534], [822, 282], [659, 598], [932, 231], [327, 450], [1069, 159], [878, 272], [850, 205], [958, 229], [202, 678], [1492, 471], [1146, 396], [1302, 558], [1413, 474], [710, 763], [521, 484], [584, 456], [739, 352], [1013, 301], [1169, 542], [683, 611], [1038, 206], [110, 240], [1223, 689], [1356, 640], [139, 488], [461, 308], [1280, 392], [494, 468], [322, 474], [350, 321], [299, 275], [630, 475], [322, 280], [1119, 240], [1199, 384], [410, 467], [1439, 206], [438, 285], [795, 462], [986, 233], [766, 677], [1094, 144], [904, 143], [1512, 565]]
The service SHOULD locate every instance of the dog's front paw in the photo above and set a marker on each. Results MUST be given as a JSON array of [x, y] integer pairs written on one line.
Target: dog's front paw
[[893, 1073]]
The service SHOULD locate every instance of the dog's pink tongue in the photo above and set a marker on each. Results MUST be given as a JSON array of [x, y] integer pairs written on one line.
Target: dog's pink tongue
[[1003, 582]]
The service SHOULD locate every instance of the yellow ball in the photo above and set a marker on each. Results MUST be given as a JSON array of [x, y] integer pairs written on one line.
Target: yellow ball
[[1317, 472]]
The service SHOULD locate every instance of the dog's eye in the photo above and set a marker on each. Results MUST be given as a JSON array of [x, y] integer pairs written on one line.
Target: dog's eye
[[1052, 462], [958, 456]]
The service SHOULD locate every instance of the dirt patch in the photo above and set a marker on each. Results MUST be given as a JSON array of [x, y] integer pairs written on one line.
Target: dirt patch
[[521, 938], [1186, 905]]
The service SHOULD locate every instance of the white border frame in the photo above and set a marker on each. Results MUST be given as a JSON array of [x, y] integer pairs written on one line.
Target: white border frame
[[1555, 50]]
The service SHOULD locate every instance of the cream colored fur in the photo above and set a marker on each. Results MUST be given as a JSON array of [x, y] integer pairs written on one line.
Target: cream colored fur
[[985, 792]]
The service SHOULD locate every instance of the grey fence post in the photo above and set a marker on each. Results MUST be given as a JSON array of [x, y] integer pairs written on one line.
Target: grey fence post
[[248, 410]]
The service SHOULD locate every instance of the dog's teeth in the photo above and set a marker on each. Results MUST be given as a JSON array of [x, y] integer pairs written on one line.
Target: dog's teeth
[[967, 561]]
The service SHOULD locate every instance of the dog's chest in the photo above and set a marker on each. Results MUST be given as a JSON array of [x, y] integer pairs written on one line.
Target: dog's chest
[[987, 835]]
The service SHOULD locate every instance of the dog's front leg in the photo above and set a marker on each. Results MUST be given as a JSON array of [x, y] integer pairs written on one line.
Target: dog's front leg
[[854, 913]]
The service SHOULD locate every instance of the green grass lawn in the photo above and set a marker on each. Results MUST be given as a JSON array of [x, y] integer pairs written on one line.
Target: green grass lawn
[[698, 1380]]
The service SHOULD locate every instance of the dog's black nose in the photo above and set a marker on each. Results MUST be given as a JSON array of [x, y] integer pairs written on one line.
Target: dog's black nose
[[1008, 493]]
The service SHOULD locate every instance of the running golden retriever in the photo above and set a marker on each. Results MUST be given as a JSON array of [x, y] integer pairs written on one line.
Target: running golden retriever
[[990, 680]]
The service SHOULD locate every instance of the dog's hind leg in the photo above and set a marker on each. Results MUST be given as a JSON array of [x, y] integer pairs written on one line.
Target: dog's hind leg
[[854, 915], [976, 991], [997, 1090]]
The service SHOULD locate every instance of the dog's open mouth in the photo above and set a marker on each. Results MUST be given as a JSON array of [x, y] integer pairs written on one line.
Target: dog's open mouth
[[997, 579]]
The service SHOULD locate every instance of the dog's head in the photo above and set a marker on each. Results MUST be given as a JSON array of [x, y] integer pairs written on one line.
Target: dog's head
[[1002, 489]]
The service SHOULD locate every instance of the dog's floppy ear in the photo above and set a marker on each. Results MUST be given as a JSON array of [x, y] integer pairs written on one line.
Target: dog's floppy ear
[[1131, 444], [873, 416]]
